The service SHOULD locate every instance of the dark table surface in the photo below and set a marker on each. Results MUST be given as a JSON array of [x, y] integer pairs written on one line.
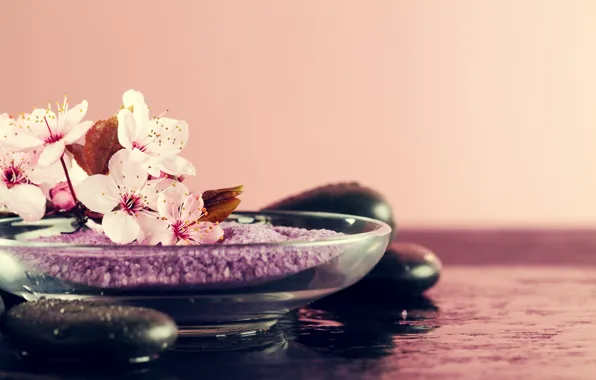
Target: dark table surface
[[511, 304]]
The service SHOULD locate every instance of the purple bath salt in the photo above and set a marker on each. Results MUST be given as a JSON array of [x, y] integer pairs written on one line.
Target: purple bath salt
[[136, 266]]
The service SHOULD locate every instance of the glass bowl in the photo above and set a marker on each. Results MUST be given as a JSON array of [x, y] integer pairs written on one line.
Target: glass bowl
[[215, 289]]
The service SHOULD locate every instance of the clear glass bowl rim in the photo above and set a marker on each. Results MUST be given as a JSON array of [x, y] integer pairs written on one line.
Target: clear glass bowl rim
[[381, 229]]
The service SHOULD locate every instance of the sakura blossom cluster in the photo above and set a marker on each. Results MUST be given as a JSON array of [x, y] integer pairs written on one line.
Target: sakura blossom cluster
[[141, 197]]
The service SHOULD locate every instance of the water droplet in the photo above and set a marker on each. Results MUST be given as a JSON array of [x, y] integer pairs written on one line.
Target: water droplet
[[58, 333]]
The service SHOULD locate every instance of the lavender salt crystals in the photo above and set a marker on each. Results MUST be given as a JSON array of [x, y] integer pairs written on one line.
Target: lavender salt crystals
[[209, 264]]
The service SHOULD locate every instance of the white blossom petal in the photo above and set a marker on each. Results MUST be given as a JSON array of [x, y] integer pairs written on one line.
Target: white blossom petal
[[4, 191], [27, 201], [98, 193], [73, 117], [127, 173], [120, 227], [135, 99], [126, 128], [41, 122], [77, 132], [206, 233], [49, 176], [153, 230], [176, 165], [153, 167], [51, 153], [154, 187], [15, 134], [94, 226], [169, 136], [139, 156], [191, 209], [5, 119], [168, 205]]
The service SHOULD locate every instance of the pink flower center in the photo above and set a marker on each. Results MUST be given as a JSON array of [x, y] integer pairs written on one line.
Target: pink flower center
[[53, 137], [131, 203], [138, 146], [181, 230], [13, 175]]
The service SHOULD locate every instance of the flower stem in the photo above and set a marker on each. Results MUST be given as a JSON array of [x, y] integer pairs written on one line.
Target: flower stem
[[74, 196]]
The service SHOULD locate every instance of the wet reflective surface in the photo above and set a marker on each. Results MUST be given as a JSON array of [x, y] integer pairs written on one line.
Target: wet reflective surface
[[503, 321]]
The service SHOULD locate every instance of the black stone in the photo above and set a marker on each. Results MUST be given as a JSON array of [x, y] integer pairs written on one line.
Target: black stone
[[2, 308], [343, 198], [406, 268], [81, 330], [10, 300]]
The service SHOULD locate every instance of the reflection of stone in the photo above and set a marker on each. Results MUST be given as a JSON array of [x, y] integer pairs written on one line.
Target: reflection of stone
[[80, 330], [368, 329]]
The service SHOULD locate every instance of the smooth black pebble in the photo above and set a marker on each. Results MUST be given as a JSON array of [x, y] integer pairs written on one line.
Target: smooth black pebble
[[87, 331], [406, 268], [342, 198]]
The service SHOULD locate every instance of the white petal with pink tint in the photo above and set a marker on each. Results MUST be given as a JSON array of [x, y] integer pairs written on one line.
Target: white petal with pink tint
[[51, 153], [50, 175], [98, 193], [77, 132], [94, 226], [40, 123], [168, 206], [131, 175], [176, 165], [126, 128], [153, 230], [155, 187], [206, 232], [167, 136], [135, 99], [74, 116], [27, 201], [192, 207], [120, 227], [12, 136]]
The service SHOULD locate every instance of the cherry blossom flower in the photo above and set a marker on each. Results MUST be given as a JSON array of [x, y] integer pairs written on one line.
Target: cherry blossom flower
[[19, 177], [181, 212], [125, 197], [155, 141], [47, 131]]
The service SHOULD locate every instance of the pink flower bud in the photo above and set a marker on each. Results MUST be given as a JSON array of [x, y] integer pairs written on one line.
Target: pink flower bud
[[61, 197]]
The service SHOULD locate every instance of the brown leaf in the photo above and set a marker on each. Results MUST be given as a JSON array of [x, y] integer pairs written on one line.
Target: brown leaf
[[220, 211], [212, 197], [101, 142], [77, 152]]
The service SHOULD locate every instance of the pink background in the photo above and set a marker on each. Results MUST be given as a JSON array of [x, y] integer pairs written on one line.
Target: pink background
[[462, 112]]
